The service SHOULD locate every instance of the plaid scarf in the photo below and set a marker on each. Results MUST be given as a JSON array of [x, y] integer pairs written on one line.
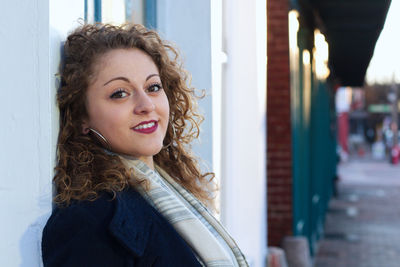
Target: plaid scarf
[[209, 240]]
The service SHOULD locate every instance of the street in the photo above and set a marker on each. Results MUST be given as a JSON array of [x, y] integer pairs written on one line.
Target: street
[[362, 227]]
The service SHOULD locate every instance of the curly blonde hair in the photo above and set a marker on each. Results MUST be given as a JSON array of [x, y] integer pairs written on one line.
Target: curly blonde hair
[[84, 169]]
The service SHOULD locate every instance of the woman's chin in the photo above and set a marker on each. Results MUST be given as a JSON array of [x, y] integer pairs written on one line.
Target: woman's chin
[[144, 153]]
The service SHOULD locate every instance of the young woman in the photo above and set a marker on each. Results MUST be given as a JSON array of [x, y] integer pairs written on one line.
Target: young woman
[[128, 190]]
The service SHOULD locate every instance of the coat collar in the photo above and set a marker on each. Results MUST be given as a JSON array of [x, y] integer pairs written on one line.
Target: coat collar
[[132, 221]]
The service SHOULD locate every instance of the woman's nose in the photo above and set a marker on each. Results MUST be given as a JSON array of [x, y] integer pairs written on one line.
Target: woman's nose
[[144, 104]]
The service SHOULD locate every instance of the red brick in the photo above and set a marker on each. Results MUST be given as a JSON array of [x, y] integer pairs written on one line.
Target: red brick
[[279, 157]]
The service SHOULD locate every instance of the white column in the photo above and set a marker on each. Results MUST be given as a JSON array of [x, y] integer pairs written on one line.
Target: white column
[[243, 199], [29, 51]]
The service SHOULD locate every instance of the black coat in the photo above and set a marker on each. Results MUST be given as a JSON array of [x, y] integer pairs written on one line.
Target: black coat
[[126, 231]]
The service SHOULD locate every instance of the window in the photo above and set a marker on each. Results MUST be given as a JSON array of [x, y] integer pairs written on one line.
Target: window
[[122, 11]]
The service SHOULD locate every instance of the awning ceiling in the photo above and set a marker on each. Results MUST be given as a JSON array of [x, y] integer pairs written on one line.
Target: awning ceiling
[[352, 28]]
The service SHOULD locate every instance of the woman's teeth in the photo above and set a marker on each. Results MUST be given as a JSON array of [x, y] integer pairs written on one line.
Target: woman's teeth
[[144, 126]]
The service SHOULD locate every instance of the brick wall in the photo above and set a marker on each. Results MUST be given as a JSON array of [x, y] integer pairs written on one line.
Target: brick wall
[[279, 154]]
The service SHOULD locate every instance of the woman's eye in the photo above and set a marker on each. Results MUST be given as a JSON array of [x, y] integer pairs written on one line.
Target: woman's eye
[[119, 94], [154, 87]]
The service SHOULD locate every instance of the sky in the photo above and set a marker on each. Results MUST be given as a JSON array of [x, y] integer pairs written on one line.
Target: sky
[[385, 62]]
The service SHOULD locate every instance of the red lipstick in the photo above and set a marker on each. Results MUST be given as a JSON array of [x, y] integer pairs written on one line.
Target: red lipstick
[[146, 127]]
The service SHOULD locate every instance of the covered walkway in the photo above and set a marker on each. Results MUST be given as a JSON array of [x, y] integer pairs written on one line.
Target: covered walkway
[[362, 226]]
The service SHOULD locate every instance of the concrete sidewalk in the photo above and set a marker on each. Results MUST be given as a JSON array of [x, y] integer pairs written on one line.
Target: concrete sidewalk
[[362, 227]]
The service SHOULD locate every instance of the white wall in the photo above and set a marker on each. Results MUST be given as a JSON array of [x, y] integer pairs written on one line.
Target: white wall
[[29, 51], [243, 200]]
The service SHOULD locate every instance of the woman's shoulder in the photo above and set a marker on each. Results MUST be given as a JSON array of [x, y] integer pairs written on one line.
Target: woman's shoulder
[[82, 210], [77, 219], [94, 226], [102, 210]]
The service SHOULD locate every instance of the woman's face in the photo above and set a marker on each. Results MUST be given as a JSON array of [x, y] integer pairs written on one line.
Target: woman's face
[[127, 104]]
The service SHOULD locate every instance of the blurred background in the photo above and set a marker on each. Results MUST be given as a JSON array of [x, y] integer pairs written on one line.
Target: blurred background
[[301, 119]]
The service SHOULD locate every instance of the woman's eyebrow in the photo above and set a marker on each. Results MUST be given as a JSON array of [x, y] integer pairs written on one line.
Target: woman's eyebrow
[[117, 78], [127, 80], [152, 75]]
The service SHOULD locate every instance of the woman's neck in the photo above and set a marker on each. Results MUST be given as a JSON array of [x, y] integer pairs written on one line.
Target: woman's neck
[[148, 160]]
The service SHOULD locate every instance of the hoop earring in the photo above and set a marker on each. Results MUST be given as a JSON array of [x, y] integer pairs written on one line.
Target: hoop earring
[[101, 139], [173, 133]]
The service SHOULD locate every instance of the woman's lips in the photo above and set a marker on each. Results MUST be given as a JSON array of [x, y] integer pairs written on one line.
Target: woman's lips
[[146, 127]]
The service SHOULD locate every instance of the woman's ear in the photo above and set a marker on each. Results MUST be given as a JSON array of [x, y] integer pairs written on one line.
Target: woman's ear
[[85, 127]]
